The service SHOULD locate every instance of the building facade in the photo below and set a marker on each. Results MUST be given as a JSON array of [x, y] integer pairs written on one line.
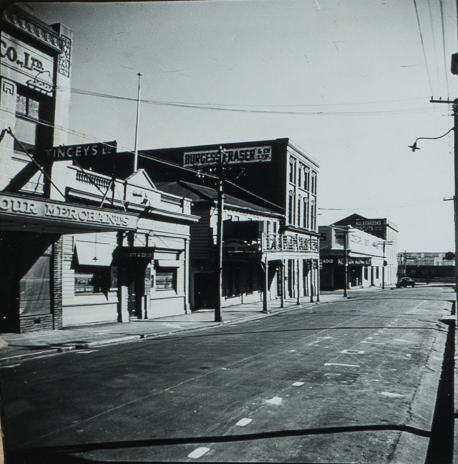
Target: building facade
[[274, 174], [427, 266], [350, 258], [387, 235], [76, 246]]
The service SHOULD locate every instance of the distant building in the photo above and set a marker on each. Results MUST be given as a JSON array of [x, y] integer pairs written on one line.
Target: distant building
[[371, 253], [427, 266]]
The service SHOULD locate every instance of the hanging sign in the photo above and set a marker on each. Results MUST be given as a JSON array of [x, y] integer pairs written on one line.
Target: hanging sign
[[70, 152]]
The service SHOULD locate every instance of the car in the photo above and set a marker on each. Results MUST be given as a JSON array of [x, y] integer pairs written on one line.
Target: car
[[405, 282]]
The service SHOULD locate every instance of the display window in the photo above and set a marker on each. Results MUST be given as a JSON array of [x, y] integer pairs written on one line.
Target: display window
[[166, 279], [92, 280]]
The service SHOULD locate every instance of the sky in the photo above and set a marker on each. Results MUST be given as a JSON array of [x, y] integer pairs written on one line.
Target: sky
[[348, 81]]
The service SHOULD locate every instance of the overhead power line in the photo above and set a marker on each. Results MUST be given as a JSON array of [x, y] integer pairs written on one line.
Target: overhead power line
[[423, 46]]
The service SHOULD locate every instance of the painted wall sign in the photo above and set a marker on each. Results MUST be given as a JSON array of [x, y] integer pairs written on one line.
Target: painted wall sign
[[26, 65], [65, 213], [230, 156], [69, 152], [370, 225]]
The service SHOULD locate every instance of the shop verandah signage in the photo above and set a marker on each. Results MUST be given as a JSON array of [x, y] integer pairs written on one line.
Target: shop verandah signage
[[36, 208]]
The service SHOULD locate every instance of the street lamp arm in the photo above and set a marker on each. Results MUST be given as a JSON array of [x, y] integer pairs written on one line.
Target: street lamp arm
[[414, 146]]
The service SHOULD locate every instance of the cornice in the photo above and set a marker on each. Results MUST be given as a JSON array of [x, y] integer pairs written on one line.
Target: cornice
[[33, 28]]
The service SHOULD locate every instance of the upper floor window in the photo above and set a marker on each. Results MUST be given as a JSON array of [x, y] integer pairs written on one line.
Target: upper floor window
[[306, 179], [292, 171], [31, 112], [313, 182]]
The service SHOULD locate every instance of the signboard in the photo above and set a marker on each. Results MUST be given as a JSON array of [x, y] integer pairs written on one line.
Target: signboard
[[360, 261], [65, 212], [26, 65], [136, 252], [229, 156], [70, 152]]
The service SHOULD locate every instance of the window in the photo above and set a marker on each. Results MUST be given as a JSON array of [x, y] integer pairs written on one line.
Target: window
[[30, 111], [93, 280], [290, 208], [313, 185], [377, 272], [299, 211], [165, 279], [306, 179], [313, 216], [292, 171], [306, 213]]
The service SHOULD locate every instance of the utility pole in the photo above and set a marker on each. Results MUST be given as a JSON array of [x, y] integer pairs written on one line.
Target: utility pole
[[219, 240], [346, 261], [455, 129]]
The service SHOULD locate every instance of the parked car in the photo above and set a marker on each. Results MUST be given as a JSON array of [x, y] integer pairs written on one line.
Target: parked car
[[405, 282]]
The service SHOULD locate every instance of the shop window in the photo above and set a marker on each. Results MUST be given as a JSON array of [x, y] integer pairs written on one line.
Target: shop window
[[32, 121], [166, 279], [92, 280]]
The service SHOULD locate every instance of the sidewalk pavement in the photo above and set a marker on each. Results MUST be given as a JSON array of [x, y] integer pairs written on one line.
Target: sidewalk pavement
[[15, 347]]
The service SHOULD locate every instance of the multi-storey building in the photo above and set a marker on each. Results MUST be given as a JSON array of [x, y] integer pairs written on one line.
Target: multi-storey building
[[385, 234], [274, 174], [76, 246]]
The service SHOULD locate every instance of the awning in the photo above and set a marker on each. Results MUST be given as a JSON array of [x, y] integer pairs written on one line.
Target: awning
[[93, 254], [168, 263]]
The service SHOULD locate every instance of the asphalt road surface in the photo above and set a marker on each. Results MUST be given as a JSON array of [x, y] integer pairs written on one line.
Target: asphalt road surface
[[350, 381]]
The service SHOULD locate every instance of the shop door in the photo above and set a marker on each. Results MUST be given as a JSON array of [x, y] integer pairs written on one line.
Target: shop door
[[204, 291]]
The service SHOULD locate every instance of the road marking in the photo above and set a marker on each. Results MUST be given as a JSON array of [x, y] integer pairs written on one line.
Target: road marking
[[199, 452], [85, 351], [401, 340], [346, 365], [298, 384], [292, 351], [274, 400], [243, 422], [9, 367], [352, 352], [392, 395], [373, 343]]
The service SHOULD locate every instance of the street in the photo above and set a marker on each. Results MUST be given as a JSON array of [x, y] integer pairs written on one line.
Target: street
[[349, 381]]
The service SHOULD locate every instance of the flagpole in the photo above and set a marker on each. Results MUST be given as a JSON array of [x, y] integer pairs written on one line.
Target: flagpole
[[137, 125]]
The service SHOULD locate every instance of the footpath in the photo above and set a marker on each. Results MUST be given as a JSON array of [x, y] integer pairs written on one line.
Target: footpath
[[15, 347]]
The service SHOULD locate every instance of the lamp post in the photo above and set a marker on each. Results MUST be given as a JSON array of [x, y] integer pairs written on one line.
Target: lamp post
[[455, 202]]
